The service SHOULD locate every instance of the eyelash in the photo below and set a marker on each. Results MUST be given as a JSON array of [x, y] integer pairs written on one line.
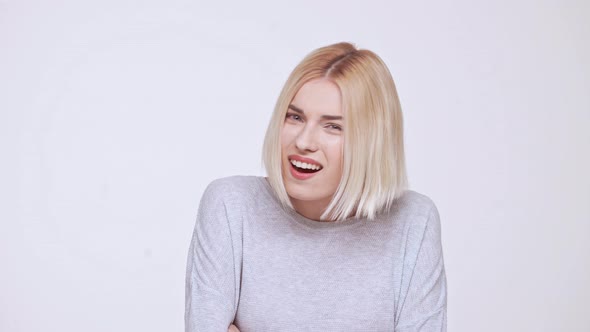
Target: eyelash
[[334, 126], [294, 117], [298, 118]]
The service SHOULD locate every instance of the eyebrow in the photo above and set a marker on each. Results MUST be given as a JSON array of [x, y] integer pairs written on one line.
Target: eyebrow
[[325, 117]]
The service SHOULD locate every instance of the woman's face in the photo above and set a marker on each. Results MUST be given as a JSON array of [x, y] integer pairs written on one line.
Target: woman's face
[[311, 147]]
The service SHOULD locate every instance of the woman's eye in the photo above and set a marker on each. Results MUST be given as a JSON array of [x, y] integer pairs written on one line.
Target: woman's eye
[[334, 126], [293, 117]]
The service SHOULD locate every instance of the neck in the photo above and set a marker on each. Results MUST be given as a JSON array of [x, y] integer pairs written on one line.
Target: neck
[[310, 209]]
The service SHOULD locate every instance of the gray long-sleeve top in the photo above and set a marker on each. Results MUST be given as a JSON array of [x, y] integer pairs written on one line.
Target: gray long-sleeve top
[[266, 268]]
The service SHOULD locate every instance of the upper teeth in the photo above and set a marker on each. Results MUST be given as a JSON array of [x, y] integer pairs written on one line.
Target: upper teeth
[[305, 165]]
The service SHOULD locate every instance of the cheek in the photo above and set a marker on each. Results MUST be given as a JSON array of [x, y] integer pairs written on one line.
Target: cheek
[[334, 149], [286, 136]]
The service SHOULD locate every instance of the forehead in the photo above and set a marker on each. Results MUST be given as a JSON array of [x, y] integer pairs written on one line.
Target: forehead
[[319, 96]]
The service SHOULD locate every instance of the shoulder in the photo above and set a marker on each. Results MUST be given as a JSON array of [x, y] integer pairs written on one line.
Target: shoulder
[[417, 219], [234, 183], [415, 203], [227, 199], [233, 189], [415, 211]]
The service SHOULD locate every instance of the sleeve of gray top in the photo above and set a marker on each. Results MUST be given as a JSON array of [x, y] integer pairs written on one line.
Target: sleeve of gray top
[[210, 289], [424, 306]]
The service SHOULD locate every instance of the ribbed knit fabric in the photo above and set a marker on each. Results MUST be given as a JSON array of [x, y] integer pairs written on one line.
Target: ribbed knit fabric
[[266, 268]]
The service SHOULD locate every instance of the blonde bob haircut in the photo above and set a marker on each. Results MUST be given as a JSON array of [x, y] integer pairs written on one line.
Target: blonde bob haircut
[[374, 171]]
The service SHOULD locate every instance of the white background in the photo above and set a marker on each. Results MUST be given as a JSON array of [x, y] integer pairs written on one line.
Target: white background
[[115, 115]]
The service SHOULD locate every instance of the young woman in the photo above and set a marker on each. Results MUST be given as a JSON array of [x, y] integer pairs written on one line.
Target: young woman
[[331, 240]]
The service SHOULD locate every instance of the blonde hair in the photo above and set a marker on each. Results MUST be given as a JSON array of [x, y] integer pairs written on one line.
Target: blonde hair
[[374, 171]]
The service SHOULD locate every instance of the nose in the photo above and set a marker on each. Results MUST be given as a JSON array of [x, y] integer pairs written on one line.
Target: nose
[[306, 139]]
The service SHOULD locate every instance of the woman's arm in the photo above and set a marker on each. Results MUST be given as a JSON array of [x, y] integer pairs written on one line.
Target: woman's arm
[[423, 302], [210, 298]]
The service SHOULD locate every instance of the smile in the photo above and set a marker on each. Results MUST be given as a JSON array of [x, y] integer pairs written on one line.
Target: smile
[[305, 167]]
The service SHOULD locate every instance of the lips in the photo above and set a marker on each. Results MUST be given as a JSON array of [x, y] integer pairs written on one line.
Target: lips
[[303, 168], [312, 163]]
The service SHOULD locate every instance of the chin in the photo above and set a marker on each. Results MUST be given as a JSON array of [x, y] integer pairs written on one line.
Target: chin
[[306, 194]]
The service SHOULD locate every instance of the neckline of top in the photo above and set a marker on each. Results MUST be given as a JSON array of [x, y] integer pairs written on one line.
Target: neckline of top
[[310, 223]]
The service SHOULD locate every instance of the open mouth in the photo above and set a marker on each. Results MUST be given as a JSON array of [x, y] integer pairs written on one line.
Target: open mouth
[[305, 167]]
